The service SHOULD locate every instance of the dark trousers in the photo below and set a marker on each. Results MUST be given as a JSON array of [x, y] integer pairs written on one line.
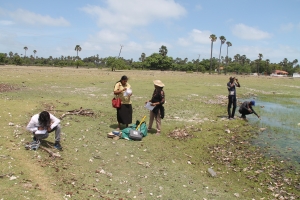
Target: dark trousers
[[244, 112], [231, 101]]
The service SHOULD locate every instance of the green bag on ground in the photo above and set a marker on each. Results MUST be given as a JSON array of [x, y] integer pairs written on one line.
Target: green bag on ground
[[143, 129]]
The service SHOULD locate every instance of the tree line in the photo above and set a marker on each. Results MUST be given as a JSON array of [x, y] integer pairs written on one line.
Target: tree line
[[160, 60]]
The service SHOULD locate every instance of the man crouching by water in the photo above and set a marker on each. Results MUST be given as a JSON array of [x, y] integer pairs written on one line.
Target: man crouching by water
[[246, 109]]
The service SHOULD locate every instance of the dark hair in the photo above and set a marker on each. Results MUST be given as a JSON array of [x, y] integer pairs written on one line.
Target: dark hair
[[123, 78], [44, 118]]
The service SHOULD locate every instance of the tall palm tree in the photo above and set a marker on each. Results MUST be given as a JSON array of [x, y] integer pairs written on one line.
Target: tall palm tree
[[77, 48], [223, 40], [213, 38], [163, 50], [34, 51], [228, 45], [260, 56], [25, 48]]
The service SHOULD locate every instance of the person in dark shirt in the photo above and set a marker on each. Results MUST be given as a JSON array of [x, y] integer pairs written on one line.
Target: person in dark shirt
[[157, 100], [233, 82], [246, 109]]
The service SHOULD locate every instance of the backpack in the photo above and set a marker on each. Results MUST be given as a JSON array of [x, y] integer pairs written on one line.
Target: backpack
[[135, 134]]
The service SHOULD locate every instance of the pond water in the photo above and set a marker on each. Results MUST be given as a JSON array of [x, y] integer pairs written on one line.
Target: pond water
[[281, 138]]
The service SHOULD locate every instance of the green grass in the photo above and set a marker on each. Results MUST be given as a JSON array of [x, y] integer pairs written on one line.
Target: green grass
[[94, 166]]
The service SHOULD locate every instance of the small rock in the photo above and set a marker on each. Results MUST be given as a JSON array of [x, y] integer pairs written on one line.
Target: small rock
[[227, 131]]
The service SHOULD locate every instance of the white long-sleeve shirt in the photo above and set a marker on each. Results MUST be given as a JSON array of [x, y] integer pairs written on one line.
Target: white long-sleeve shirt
[[34, 122]]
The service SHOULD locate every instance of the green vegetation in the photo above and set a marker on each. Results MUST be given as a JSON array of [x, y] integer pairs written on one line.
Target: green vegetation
[[160, 60], [93, 166]]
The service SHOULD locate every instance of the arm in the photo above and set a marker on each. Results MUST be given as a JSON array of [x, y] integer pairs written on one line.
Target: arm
[[32, 125], [54, 120], [255, 112], [117, 90], [237, 84]]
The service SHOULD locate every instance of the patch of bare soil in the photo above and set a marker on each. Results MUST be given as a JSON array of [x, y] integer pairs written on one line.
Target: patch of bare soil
[[7, 88]]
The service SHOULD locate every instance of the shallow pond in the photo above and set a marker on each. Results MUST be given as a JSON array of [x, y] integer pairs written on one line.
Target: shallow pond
[[281, 138]]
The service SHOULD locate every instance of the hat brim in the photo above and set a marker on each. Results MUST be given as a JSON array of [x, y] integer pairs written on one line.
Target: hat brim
[[158, 83]]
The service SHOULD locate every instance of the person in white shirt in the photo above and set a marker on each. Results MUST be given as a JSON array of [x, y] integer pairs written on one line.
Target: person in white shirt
[[42, 124]]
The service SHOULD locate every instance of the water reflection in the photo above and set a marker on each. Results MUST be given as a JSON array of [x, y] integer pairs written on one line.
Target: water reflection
[[282, 136]]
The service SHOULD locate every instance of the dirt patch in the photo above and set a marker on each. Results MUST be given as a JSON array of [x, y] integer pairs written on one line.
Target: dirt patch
[[7, 88]]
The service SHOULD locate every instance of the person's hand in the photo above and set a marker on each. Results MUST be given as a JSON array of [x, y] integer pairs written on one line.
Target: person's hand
[[40, 128], [49, 129], [258, 116], [124, 89], [236, 80]]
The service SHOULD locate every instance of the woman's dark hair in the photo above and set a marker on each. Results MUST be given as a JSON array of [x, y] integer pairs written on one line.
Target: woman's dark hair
[[44, 118], [123, 78]]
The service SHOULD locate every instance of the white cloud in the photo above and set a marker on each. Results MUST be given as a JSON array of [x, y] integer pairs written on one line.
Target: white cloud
[[195, 36], [6, 22], [126, 14], [287, 27], [249, 33], [108, 37], [28, 17]]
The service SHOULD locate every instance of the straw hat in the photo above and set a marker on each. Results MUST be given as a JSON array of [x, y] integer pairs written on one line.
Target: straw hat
[[158, 83]]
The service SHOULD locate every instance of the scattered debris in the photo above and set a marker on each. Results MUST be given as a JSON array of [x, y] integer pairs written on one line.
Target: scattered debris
[[52, 154], [180, 134], [86, 112], [7, 88]]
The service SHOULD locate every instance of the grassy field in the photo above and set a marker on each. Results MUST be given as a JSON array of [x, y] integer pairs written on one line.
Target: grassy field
[[93, 166]]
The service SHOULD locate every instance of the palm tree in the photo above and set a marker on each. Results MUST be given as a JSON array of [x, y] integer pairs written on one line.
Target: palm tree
[[243, 59], [142, 58], [237, 58], [284, 63], [77, 48], [223, 40], [25, 48], [228, 45], [267, 65], [34, 51], [260, 56], [163, 50], [213, 38]]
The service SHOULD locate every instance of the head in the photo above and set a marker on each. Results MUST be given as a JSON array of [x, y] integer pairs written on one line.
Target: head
[[124, 80], [252, 103], [44, 118], [231, 79], [158, 84]]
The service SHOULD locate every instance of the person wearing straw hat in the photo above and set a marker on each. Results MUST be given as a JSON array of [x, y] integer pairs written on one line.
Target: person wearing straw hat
[[246, 109], [157, 100]]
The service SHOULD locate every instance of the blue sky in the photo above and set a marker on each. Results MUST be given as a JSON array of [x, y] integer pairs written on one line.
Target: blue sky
[[54, 28]]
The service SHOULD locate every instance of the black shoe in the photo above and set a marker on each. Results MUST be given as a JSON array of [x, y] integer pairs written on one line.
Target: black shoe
[[57, 146]]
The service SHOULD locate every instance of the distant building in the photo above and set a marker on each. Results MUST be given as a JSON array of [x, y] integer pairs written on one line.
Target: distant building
[[296, 75], [279, 73]]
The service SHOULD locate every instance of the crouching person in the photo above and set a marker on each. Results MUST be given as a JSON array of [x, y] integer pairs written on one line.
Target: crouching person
[[246, 109], [41, 125]]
